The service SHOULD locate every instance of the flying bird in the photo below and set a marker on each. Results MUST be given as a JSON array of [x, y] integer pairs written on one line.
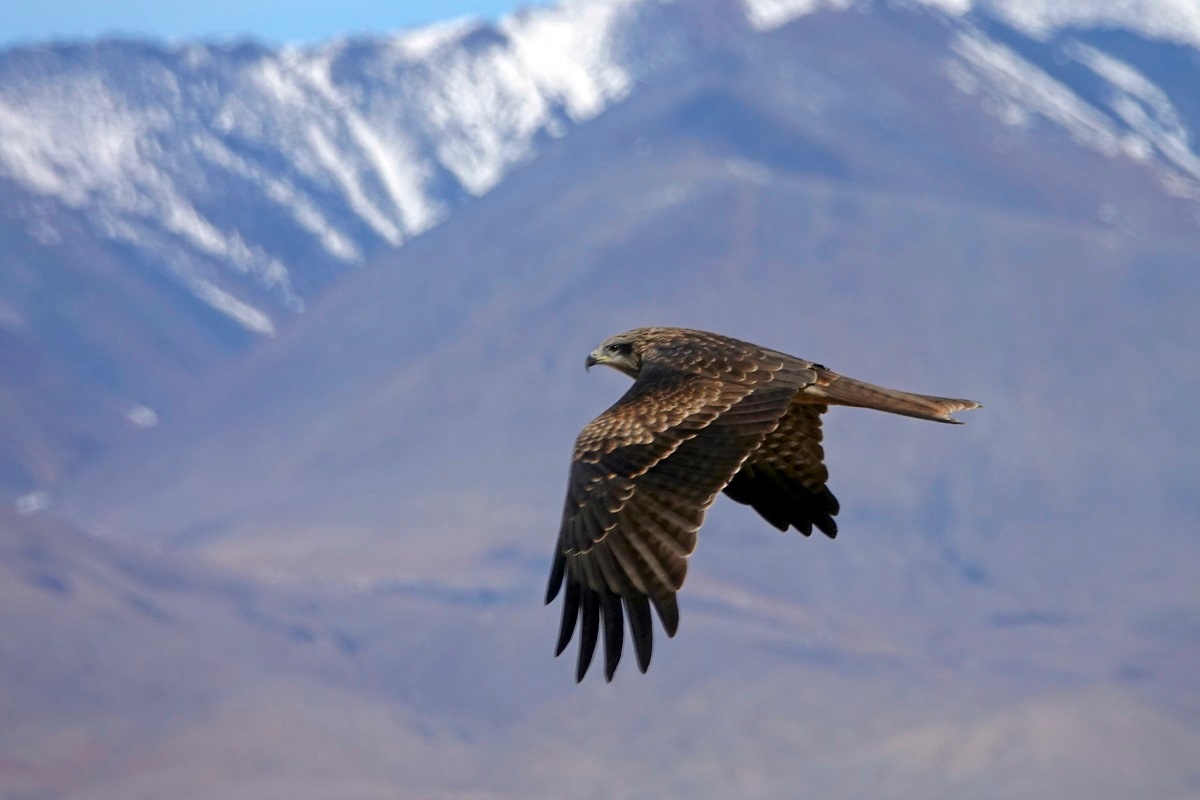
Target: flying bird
[[706, 414]]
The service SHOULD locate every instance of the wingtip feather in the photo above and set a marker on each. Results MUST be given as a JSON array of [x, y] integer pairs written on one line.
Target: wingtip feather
[[557, 571], [590, 619], [668, 613], [641, 629], [614, 633], [570, 615]]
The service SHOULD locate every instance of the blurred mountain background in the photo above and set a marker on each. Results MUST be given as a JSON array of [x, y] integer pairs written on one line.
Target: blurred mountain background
[[291, 345]]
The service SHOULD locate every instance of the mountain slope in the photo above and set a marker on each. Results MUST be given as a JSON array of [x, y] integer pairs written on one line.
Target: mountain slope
[[189, 199], [133, 673]]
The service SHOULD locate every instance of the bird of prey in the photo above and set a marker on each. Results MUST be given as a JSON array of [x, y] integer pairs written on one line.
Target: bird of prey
[[706, 414]]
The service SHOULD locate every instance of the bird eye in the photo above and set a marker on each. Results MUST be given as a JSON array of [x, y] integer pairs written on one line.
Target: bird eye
[[613, 348]]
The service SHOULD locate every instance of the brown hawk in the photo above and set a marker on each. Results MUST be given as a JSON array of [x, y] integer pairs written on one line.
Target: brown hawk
[[706, 414]]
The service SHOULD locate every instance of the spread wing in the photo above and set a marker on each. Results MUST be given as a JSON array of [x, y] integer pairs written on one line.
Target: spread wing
[[784, 479], [643, 475]]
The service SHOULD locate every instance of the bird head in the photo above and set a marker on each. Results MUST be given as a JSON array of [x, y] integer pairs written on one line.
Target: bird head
[[622, 352]]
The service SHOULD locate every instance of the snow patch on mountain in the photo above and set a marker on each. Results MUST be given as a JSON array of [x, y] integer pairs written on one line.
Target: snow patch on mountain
[[71, 139], [1149, 112], [1138, 120], [29, 504], [1019, 91], [558, 64], [570, 55], [1170, 20], [286, 196], [142, 417], [251, 318], [769, 14], [421, 43], [388, 151]]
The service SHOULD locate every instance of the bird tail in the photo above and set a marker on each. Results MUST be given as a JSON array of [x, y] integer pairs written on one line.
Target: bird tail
[[839, 390]]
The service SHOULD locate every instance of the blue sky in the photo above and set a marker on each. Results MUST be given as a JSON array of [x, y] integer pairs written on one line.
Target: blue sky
[[272, 20]]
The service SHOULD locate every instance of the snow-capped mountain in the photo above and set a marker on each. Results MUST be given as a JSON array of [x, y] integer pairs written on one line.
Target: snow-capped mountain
[[251, 176], [193, 197], [167, 206]]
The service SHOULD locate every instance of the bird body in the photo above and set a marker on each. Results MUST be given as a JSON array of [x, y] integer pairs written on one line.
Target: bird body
[[706, 413]]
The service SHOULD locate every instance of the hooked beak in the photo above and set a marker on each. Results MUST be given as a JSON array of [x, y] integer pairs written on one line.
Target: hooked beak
[[591, 362]]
